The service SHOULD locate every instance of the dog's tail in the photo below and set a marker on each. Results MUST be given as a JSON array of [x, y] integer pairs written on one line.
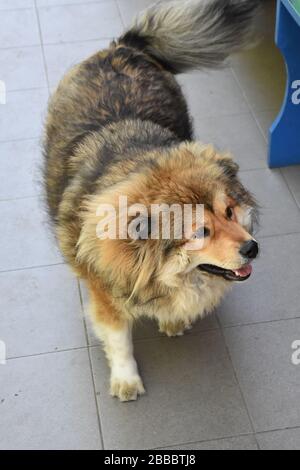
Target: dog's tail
[[193, 34]]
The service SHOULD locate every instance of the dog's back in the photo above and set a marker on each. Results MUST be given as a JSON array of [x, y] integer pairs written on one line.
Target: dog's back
[[118, 84]]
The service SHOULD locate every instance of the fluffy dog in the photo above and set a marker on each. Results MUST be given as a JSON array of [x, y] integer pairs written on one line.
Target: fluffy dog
[[118, 127]]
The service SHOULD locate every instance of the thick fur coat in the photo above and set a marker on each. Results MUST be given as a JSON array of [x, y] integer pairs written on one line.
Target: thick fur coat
[[117, 125]]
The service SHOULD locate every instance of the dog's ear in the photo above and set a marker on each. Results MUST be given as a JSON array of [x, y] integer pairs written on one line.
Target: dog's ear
[[228, 165]]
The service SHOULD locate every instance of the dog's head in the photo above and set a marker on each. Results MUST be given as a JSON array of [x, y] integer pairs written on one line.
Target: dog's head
[[218, 243]]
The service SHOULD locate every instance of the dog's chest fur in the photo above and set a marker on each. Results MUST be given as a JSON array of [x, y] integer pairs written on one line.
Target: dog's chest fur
[[195, 297]]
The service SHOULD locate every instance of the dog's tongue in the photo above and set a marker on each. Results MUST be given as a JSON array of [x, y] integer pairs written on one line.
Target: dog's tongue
[[244, 272]]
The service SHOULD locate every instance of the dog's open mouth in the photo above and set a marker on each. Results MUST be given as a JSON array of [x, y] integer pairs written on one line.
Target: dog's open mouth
[[239, 275]]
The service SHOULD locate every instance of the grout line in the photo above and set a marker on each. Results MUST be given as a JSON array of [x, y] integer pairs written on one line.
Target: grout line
[[60, 43], [21, 46], [252, 112], [35, 196], [237, 113], [46, 353], [34, 137], [289, 188], [76, 41], [19, 90], [20, 198], [83, 2], [243, 93], [32, 267], [4, 10], [266, 139], [120, 13], [42, 46], [238, 383], [100, 427], [253, 169], [291, 428], [263, 322], [262, 237], [21, 139], [218, 439]]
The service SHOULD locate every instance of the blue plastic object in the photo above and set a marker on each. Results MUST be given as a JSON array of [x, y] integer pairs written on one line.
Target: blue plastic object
[[285, 132]]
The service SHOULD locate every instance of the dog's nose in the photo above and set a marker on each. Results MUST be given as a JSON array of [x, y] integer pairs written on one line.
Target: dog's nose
[[250, 249]]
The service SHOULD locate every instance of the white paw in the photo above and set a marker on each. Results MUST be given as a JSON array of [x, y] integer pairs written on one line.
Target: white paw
[[126, 389], [173, 329]]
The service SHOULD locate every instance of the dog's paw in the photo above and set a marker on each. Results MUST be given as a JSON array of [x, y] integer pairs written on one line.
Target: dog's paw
[[173, 329], [127, 390]]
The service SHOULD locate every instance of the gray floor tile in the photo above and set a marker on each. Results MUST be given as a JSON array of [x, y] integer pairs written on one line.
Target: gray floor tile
[[89, 21], [20, 162], [266, 21], [234, 443], [47, 402], [42, 311], [212, 94], [60, 57], [29, 103], [262, 357], [129, 8], [292, 177], [25, 238], [22, 68], [279, 212], [273, 291], [265, 119], [289, 439], [19, 28], [239, 135], [191, 392], [50, 3], [262, 75], [14, 4]]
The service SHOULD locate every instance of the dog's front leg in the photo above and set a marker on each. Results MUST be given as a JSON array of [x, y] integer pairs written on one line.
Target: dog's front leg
[[115, 332], [126, 383]]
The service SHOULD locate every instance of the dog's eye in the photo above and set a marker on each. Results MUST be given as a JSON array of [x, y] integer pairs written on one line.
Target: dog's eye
[[229, 213], [202, 233]]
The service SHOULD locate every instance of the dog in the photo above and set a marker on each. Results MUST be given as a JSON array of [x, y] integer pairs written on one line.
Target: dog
[[118, 126]]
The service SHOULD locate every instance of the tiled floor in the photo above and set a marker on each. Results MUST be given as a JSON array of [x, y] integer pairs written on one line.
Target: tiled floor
[[230, 383]]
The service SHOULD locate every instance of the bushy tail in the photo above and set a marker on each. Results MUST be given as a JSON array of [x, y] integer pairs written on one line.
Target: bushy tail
[[193, 34]]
